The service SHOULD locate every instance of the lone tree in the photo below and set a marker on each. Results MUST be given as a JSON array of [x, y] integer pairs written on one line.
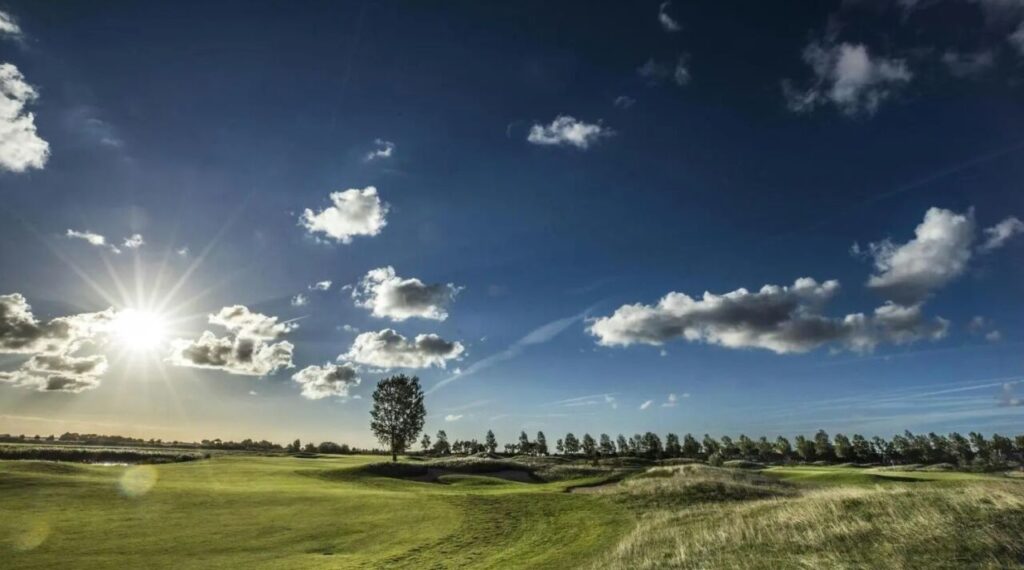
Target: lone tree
[[398, 413]]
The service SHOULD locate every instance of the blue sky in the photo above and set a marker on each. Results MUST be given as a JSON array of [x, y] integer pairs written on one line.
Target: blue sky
[[554, 189]]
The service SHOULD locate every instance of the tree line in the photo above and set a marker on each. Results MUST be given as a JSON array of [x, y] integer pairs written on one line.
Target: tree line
[[974, 449]]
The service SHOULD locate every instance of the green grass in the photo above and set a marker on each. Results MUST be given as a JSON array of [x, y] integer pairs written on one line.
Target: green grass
[[284, 512], [249, 511]]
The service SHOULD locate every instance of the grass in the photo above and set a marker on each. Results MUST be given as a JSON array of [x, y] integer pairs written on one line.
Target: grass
[[283, 512], [238, 510]]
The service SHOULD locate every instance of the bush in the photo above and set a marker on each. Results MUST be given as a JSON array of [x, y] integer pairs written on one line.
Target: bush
[[96, 455], [743, 464]]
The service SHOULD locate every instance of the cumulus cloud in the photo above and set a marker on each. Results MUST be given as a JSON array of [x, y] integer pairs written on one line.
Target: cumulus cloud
[[384, 149], [92, 238], [20, 147], [908, 273], [389, 349], [1016, 39], [353, 212], [239, 320], [320, 382], [968, 64], [656, 72], [567, 131], [849, 77], [646, 404], [453, 417], [671, 401], [53, 346], [247, 351], [321, 285], [8, 26], [979, 325], [134, 241], [782, 319], [999, 234], [300, 300], [389, 296], [666, 21]]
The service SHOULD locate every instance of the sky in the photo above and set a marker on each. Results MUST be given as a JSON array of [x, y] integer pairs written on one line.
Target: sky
[[232, 219]]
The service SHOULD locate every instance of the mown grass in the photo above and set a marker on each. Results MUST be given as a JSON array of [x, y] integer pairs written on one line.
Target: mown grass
[[269, 512]]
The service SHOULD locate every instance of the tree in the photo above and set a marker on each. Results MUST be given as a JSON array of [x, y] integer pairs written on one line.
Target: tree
[[843, 447], [728, 448], [525, 447], [589, 445], [710, 445], [441, 445], [490, 442], [572, 445], [672, 447], [398, 413], [295, 446], [804, 448], [651, 445], [783, 448], [542, 444], [425, 443], [606, 447], [745, 446], [691, 448], [622, 444], [559, 447], [861, 448], [822, 446]]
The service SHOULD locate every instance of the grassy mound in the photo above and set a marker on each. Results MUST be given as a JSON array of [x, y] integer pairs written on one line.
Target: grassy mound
[[974, 525], [665, 487]]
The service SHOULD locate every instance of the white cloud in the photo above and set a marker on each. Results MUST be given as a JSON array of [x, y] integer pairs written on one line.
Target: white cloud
[[389, 296], [453, 417], [389, 349], [1016, 39], [384, 150], [300, 300], [847, 76], [247, 352], [354, 213], [624, 101], [566, 130], [321, 285], [993, 336], [55, 363], [239, 320], [183, 251], [667, 22], [243, 356], [671, 402], [20, 147], [646, 404], [320, 382], [776, 318], [908, 273], [8, 26], [134, 241], [968, 64], [656, 72], [997, 235], [92, 238]]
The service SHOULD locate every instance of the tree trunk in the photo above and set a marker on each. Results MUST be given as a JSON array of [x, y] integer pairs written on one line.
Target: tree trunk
[[394, 455]]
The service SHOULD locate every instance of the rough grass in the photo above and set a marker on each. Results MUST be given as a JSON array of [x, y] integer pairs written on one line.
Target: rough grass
[[945, 522]]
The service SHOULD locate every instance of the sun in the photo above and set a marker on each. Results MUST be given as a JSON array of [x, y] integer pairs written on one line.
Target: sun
[[139, 330]]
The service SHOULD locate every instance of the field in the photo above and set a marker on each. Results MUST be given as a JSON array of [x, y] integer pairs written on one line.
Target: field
[[339, 512]]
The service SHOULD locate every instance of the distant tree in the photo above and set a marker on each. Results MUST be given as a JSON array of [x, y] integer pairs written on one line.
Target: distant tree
[[843, 447], [605, 445], [765, 449], [711, 445], [960, 449], [490, 442], [783, 448], [425, 443], [728, 448], [652, 445], [295, 446], [398, 413], [636, 444], [804, 448], [310, 448], [622, 444], [980, 446], [745, 446], [672, 447], [572, 445], [883, 450], [589, 446], [559, 446], [822, 446], [525, 446], [441, 445], [542, 444], [690, 448]]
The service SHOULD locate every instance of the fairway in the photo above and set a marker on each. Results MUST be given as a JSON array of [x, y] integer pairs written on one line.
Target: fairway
[[285, 512]]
